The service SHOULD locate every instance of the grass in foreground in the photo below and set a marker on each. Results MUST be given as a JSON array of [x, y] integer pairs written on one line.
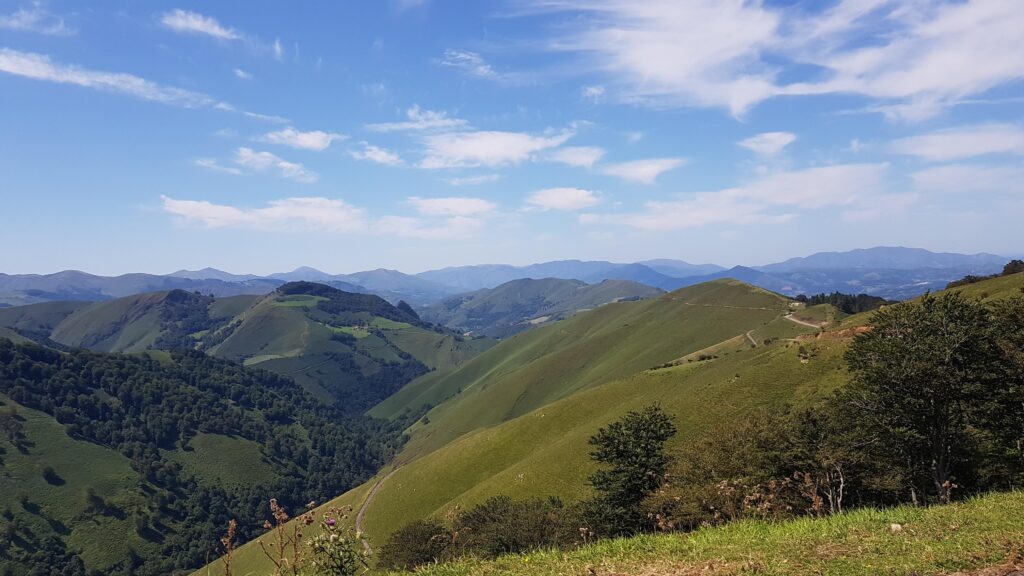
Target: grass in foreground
[[940, 540]]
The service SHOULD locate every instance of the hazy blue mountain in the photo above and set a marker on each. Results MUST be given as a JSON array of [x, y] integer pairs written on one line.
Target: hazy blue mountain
[[213, 274], [891, 258], [679, 268], [468, 278], [304, 274], [521, 304], [413, 289], [74, 285]]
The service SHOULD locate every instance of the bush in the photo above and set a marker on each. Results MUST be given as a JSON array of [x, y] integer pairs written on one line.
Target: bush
[[417, 543]]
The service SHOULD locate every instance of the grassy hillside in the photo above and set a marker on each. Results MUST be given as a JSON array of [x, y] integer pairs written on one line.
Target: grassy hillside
[[599, 346], [357, 348], [522, 304], [353, 348], [981, 533]]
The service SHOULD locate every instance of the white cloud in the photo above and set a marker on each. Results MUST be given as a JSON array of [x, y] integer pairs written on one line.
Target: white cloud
[[376, 154], [579, 156], [486, 148], [772, 198], [469, 62], [213, 165], [277, 50], [593, 93], [239, 73], [262, 161], [318, 214], [449, 228], [451, 206], [474, 180], [41, 67], [35, 19], [967, 178], [289, 213], [963, 142], [313, 140], [768, 143], [563, 199], [643, 171], [187, 22], [913, 57], [419, 120]]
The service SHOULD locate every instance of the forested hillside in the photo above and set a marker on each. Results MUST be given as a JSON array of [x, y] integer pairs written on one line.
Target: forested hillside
[[133, 464]]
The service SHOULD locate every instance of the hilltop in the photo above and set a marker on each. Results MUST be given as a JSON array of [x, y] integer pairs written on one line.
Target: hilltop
[[519, 305]]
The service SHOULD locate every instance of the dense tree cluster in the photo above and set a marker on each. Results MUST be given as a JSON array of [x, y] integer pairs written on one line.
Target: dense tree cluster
[[848, 303], [139, 406]]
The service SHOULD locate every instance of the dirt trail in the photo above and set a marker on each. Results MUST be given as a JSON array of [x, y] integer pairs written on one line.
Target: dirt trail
[[753, 343], [802, 323], [366, 504]]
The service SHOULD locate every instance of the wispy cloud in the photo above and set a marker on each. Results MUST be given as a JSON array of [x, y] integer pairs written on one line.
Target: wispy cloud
[[317, 140], [768, 143], [419, 119], [643, 171], [452, 206], [239, 73], [565, 199], [214, 166], [579, 156], [376, 154], [486, 148], [474, 180], [41, 67], [963, 142], [970, 179], [469, 62], [773, 198], [186, 22], [258, 161], [289, 213], [36, 19], [708, 53], [320, 215]]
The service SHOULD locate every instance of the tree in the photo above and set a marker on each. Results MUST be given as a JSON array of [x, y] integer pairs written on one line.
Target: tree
[[1013, 267], [920, 376], [417, 543], [632, 452]]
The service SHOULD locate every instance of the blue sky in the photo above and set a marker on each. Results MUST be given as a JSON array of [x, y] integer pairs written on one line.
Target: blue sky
[[259, 136]]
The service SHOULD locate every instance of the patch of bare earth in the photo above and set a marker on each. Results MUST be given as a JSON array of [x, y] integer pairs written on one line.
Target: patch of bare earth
[[1014, 566]]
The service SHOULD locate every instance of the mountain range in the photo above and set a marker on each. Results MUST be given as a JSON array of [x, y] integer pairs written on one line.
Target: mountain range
[[889, 272]]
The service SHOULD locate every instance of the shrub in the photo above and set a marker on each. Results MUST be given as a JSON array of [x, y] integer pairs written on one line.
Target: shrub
[[417, 543]]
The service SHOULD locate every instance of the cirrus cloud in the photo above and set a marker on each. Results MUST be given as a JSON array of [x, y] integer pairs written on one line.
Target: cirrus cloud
[[565, 199], [486, 148], [317, 140], [644, 171]]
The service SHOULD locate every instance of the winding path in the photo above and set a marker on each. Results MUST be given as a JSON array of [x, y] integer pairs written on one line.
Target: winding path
[[366, 504], [803, 323], [753, 343]]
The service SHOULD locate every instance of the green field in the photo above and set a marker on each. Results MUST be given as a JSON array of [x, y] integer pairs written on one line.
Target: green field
[[979, 533], [58, 506], [219, 459]]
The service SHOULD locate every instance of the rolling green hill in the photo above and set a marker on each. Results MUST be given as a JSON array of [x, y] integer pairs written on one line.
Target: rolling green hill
[[515, 420], [522, 304], [340, 346]]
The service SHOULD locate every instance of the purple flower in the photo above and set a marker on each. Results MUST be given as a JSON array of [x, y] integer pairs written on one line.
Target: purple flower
[[330, 522]]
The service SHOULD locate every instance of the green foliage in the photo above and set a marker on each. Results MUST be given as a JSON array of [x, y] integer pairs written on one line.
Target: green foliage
[[415, 544], [922, 375], [501, 525], [146, 410], [336, 551], [848, 303], [632, 452]]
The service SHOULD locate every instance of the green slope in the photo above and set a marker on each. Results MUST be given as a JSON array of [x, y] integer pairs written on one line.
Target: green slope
[[612, 342], [976, 534], [522, 304]]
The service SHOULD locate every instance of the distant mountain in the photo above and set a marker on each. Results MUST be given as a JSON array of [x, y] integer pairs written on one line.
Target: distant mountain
[[213, 274], [303, 274], [679, 268], [890, 258], [525, 303], [411, 288], [22, 289], [469, 278]]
